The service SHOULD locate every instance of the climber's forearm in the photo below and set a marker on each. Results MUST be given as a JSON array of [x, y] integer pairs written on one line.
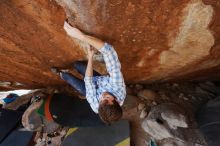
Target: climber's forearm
[[89, 69], [95, 42], [76, 33]]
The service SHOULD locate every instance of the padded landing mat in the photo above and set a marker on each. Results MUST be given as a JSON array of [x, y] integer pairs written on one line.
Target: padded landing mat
[[208, 119], [115, 135], [73, 112], [18, 138], [8, 121]]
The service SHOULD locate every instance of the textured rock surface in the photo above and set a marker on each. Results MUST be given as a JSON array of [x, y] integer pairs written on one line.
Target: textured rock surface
[[158, 127], [171, 128], [157, 131], [147, 94], [156, 40], [174, 116], [174, 120]]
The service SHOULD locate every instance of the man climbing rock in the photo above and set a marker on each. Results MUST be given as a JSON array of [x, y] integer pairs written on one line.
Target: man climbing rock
[[105, 94]]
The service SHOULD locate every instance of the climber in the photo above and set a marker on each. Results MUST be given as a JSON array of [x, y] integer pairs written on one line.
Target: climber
[[105, 94]]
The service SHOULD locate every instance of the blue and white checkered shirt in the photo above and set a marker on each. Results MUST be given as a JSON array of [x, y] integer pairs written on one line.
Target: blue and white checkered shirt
[[114, 83]]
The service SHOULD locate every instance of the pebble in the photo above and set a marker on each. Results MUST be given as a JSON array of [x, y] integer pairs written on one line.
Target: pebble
[[175, 85], [5, 84], [141, 106], [138, 87], [154, 103], [193, 98], [181, 95], [163, 96], [54, 116], [198, 144], [56, 91], [147, 94], [131, 86], [185, 98], [18, 84], [143, 113]]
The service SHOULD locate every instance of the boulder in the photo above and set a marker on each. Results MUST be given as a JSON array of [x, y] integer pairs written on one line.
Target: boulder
[[163, 120], [174, 119], [147, 94], [157, 130]]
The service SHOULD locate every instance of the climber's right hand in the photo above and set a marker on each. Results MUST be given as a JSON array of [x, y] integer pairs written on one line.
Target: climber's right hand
[[73, 32]]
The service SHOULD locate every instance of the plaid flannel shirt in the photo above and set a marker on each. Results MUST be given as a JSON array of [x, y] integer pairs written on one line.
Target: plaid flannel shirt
[[114, 83]]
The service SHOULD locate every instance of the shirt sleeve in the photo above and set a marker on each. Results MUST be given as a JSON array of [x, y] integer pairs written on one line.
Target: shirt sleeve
[[91, 93], [112, 63]]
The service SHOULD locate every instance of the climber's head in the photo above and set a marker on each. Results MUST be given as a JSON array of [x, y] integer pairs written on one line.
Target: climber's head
[[109, 109]]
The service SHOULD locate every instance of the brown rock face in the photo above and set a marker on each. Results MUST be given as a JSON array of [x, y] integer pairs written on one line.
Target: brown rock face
[[156, 40]]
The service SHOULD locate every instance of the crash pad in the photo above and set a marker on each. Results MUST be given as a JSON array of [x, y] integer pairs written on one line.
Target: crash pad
[[9, 119], [116, 134]]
